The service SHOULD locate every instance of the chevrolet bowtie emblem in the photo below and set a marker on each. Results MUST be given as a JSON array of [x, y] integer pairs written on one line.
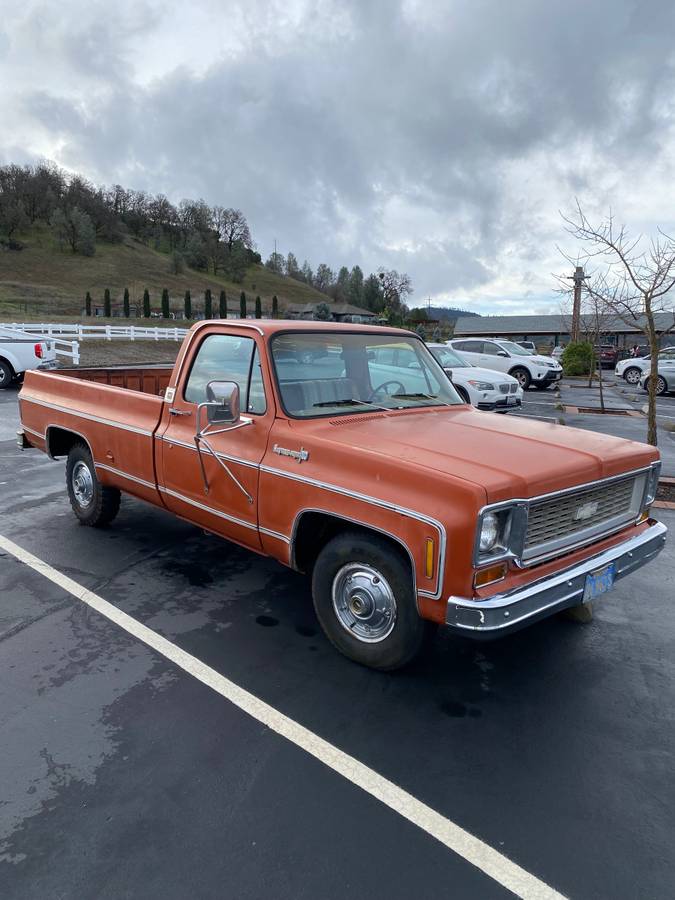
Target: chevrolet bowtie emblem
[[586, 511]]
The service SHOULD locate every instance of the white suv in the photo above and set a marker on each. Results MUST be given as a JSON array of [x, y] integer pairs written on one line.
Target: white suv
[[483, 388], [506, 356]]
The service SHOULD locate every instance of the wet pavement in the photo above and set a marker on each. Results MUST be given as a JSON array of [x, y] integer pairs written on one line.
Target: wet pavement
[[122, 776]]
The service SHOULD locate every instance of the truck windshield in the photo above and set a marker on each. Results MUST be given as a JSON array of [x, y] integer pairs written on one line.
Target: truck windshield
[[329, 374]]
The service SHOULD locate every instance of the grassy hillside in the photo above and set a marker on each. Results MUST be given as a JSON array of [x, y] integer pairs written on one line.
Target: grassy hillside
[[42, 281]]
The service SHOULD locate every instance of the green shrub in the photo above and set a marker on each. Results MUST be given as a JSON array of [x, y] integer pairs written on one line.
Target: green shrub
[[577, 359]]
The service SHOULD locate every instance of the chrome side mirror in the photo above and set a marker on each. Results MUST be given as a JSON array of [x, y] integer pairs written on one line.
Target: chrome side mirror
[[222, 407]]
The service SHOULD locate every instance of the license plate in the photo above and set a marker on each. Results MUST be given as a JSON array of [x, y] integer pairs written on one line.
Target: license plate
[[599, 582], [510, 401]]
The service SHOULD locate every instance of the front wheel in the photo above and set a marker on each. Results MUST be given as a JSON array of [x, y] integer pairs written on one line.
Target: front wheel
[[365, 601], [523, 377], [661, 386], [92, 503], [632, 375]]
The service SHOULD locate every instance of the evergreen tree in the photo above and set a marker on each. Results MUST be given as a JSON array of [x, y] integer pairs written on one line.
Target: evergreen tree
[[107, 305], [355, 290], [275, 307], [166, 312], [208, 304], [146, 304], [258, 308], [187, 304], [222, 305], [242, 305], [127, 310], [87, 304]]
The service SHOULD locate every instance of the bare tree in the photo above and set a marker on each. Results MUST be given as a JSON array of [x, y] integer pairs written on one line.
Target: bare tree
[[633, 279]]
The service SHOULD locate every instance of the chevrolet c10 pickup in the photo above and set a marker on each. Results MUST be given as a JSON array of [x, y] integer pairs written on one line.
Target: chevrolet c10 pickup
[[326, 447]]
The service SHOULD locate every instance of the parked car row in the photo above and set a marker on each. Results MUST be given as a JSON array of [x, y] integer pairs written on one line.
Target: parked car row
[[631, 370]]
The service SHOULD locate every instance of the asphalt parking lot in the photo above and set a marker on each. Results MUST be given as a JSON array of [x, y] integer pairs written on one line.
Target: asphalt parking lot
[[123, 775]]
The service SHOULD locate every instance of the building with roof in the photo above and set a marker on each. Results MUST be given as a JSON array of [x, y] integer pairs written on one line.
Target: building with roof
[[341, 312], [551, 330]]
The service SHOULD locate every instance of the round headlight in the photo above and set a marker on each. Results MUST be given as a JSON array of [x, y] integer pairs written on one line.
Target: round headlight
[[489, 532]]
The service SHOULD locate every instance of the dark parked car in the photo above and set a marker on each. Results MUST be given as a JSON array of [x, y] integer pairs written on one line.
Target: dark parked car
[[608, 355]]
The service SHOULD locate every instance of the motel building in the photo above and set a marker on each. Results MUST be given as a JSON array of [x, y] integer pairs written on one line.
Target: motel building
[[547, 332]]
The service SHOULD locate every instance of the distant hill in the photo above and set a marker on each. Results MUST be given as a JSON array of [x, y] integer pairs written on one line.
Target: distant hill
[[448, 313], [42, 281]]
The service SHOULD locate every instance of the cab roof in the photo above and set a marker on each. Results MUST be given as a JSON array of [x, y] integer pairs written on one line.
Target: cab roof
[[275, 326]]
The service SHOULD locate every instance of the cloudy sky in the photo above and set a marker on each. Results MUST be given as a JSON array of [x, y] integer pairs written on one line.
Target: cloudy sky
[[438, 138]]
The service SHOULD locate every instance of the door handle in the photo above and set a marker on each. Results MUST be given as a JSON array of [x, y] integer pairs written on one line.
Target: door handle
[[178, 412]]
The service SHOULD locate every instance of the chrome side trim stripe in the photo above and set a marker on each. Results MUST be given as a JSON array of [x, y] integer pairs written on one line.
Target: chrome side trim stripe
[[275, 534], [82, 415], [113, 471], [208, 509], [225, 456]]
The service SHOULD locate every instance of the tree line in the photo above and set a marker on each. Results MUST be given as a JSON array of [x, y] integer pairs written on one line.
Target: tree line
[[210, 308], [384, 291], [214, 239]]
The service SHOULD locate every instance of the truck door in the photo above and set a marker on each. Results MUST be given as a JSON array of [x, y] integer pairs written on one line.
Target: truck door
[[220, 493]]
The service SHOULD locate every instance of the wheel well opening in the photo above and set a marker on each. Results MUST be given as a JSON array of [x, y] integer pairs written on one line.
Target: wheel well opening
[[60, 441], [315, 529], [8, 364]]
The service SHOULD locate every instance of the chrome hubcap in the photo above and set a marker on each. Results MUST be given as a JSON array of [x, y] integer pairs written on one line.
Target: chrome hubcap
[[364, 602], [83, 484], [522, 379], [632, 376]]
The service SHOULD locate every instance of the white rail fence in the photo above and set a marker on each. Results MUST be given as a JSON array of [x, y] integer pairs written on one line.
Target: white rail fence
[[97, 332]]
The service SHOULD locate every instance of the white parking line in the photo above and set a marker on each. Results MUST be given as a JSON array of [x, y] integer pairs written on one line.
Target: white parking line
[[490, 861]]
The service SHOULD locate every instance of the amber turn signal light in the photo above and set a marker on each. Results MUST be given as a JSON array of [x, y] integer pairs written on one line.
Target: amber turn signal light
[[490, 575], [429, 558]]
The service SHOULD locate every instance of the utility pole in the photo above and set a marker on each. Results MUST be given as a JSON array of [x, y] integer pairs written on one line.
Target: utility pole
[[578, 279]]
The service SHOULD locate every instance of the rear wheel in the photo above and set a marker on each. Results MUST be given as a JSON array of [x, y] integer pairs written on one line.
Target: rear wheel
[[632, 375], [365, 601], [6, 374], [542, 385], [522, 375], [661, 386], [92, 503]]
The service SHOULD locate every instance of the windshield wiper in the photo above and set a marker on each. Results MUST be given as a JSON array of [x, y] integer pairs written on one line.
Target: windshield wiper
[[419, 396], [353, 402]]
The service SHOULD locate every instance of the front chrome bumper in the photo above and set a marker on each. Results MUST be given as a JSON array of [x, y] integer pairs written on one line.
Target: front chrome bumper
[[514, 609]]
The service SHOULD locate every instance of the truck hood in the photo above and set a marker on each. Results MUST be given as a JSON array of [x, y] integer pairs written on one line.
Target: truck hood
[[508, 457]]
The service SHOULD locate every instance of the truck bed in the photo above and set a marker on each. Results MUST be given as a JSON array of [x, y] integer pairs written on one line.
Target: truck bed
[[147, 379], [115, 411]]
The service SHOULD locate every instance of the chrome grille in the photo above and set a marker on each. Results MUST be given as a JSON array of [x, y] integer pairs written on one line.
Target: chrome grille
[[587, 512], [504, 388]]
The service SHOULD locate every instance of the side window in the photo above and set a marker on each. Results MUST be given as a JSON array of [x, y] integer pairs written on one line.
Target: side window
[[491, 349], [227, 357], [470, 346]]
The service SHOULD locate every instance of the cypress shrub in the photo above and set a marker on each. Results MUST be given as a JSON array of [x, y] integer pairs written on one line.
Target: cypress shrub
[[166, 311], [208, 304], [146, 304], [258, 308], [242, 305], [127, 309], [107, 304], [187, 303], [275, 307], [87, 304], [222, 305]]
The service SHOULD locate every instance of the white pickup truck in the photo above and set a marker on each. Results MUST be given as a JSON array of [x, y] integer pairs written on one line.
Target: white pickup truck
[[19, 352]]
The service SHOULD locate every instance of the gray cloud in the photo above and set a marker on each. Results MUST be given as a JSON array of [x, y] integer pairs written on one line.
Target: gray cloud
[[437, 138]]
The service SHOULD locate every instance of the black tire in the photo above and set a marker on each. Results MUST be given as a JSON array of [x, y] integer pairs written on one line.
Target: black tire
[[92, 503], [632, 375], [542, 385], [6, 374], [522, 375], [462, 393], [661, 386], [377, 566]]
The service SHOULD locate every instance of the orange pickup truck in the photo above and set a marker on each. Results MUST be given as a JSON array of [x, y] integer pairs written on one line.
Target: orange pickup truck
[[345, 452]]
